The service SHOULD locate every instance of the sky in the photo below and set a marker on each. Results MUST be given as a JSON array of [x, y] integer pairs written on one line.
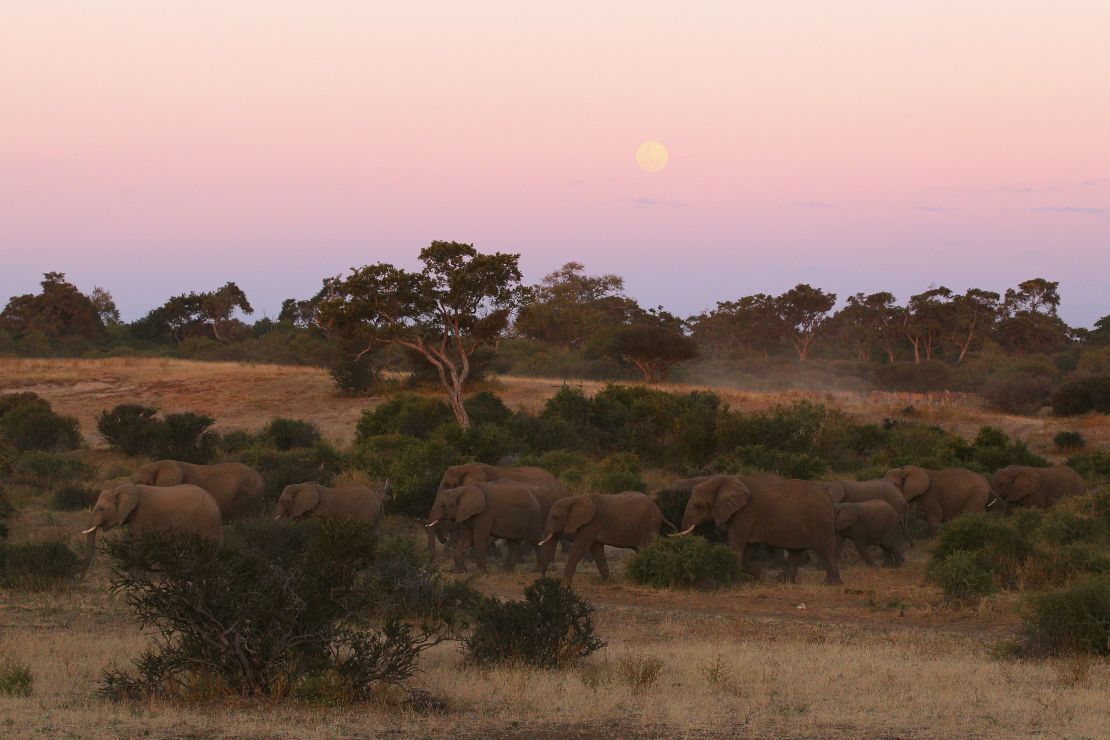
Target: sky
[[155, 148]]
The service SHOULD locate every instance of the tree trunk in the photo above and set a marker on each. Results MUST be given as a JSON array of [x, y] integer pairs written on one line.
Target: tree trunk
[[455, 396]]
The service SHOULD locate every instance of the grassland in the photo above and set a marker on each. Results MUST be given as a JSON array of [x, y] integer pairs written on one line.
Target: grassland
[[880, 656]]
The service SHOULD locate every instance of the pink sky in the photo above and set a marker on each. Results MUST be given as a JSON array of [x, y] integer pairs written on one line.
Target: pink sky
[[156, 148]]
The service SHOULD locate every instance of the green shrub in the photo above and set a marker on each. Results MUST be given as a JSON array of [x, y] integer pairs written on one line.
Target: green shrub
[[286, 434], [36, 566], [28, 423], [74, 497], [413, 467], [992, 450], [15, 678], [981, 542], [1069, 441], [1083, 395], [280, 468], [684, 562], [236, 442], [134, 430], [1018, 392], [411, 415], [1092, 465], [1071, 619], [551, 628], [47, 468], [486, 408], [1063, 527], [1064, 564], [963, 576], [487, 443], [281, 609], [618, 472]]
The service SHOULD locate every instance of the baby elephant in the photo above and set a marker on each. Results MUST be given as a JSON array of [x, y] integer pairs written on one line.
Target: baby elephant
[[303, 500], [628, 519], [872, 523]]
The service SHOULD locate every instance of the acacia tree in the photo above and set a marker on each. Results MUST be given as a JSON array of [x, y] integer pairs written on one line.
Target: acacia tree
[[461, 300], [1029, 322], [928, 318], [194, 313], [973, 315], [654, 344], [803, 310], [569, 307], [867, 320], [60, 310], [746, 326]]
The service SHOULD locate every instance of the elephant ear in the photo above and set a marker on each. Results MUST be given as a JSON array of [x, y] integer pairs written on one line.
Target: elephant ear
[[915, 484], [169, 474], [306, 498], [1024, 484], [846, 516], [127, 498], [732, 496], [472, 501], [581, 512], [835, 490]]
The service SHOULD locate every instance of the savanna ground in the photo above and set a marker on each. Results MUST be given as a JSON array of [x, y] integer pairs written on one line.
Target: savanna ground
[[881, 655]]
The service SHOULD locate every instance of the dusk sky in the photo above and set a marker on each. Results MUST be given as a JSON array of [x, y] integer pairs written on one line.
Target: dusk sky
[[156, 148]]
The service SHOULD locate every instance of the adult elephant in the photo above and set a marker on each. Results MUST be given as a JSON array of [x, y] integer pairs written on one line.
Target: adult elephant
[[184, 508], [858, 491], [793, 515], [1023, 485], [629, 519], [461, 475], [504, 510], [942, 495], [304, 500], [238, 490]]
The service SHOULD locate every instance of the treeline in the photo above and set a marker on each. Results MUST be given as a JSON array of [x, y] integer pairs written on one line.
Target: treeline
[[467, 313]]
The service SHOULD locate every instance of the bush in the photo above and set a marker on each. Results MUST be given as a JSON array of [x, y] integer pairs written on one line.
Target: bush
[[132, 429], [616, 473], [281, 609], [74, 497], [285, 434], [46, 468], [1063, 527], [413, 467], [280, 468], [551, 628], [684, 562], [28, 422], [1081, 396], [963, 576], [1018, 392], [15, 678], [411, 415], [1071, 619], [36, 566], [980, 542], [1071, 441], [1091, 464]]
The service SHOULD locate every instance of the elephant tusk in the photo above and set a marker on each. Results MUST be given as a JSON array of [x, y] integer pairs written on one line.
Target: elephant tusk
[[429, 525], [992, 502], [545, 540], [685, 531], [91, 529]]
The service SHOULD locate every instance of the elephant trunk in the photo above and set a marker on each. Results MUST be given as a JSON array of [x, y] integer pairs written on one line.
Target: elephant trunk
[[90, 547], [545, 540]]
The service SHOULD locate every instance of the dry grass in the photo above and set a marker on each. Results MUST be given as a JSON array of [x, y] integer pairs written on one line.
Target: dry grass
[[880, 656]]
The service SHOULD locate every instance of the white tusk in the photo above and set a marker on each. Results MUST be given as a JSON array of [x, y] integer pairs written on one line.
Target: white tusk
[[91, 529], [277, 516], [685, 531], [993, 501], [545, 540], [429, 525]]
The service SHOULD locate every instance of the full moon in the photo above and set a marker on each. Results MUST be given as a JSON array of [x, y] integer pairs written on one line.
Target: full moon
[[651, 156]]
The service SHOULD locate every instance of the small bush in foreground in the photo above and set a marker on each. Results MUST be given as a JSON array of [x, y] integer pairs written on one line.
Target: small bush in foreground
[[999, 546], [35, 566], [73, 497], [285, 434], [15, 678], [551, 628], [29, 423], [962, 576], [1069, 620], [684, 562], [639, 672]]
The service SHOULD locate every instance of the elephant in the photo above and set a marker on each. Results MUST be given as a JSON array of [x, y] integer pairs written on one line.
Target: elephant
[[858, 491], [183, 508], [942, 495], [361, 503], [460, 475], [1022, 485], [504, 510], [629, 519], [238, 490], [873, 522], [793, 515]]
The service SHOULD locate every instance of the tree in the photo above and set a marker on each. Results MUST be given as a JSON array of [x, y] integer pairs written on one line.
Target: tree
[[973, 316], [105, 306], [1100, 335], [193, 314], [60, 310], [1029, 322], [653, 348], [927, 319], [746, 326], [803, 310], [867, 321], [569, 307], [461, 300]]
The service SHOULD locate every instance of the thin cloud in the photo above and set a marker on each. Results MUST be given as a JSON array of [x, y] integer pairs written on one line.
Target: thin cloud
[[934, 209], [652, 202], [814, 204], [1083, 210]]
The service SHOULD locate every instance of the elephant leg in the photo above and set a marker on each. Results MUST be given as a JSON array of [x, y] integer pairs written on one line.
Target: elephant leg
[[598, 551], [460, 537], [864, 551], [839, 548], [482, 542], [431, 532], [832, 568], [544, 555], [747, 562], [576, 552], [794, 559], [512, 555], [494, 549], [565, 543]]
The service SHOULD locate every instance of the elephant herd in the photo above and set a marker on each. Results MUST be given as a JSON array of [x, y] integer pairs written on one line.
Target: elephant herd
[[477, 504]]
